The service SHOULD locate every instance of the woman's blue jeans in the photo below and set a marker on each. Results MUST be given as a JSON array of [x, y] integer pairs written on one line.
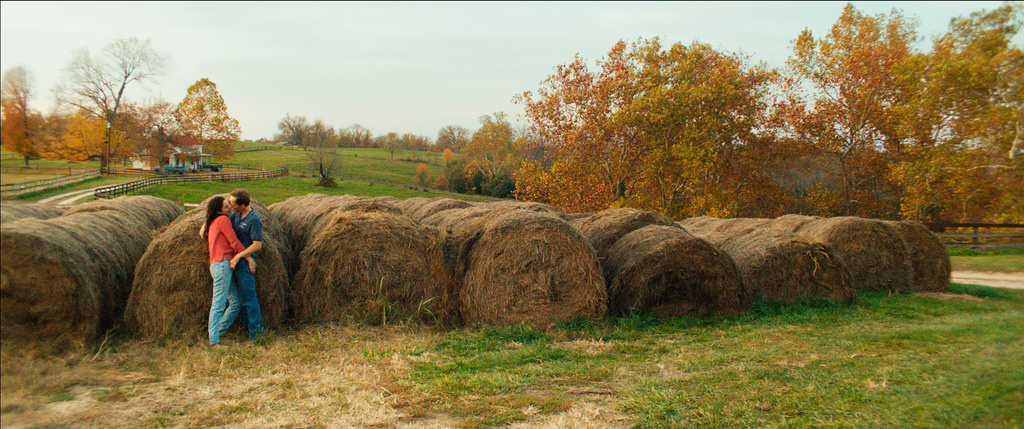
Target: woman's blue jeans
[[225, 294]]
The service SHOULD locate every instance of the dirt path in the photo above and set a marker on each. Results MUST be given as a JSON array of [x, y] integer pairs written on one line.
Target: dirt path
[[1007, 280], [69, 197]]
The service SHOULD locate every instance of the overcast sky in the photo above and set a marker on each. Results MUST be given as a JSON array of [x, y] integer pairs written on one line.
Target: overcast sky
[[403, 67]]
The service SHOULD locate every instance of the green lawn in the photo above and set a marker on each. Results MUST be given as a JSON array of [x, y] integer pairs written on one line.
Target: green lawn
[[1002, 260], [372, 163]]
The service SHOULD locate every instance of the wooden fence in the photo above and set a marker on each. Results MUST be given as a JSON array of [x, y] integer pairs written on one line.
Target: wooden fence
[[980, 235], [14, 190], [131, 187]]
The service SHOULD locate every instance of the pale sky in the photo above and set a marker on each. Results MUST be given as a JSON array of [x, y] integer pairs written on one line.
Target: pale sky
[[402, 67]]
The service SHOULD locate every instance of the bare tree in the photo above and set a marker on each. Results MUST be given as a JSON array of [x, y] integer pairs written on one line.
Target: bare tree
[[452, 137], [295, 130], [323, 155], [96, 84]]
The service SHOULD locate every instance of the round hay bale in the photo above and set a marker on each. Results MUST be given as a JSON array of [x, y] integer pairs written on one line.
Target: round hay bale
[[436, 205], [569, 217], [516, 266], [11, 211], [65, 280], [302, 216], [455, 219], [374, 267], [388, 199], [732, 226], [874, 252], [521, 205], [669, 272], [171, 294], [790, 222], [606, 227], [779, 266], [928, 256], [409, 205], [151, 211]]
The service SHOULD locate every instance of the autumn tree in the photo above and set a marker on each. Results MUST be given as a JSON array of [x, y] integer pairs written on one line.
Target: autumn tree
[[965, 122], [97, 84], [355, 136], [20, 123], [854, 73], [391, 142], [655, 128], [204, 116], [423, 174], [83, 138]]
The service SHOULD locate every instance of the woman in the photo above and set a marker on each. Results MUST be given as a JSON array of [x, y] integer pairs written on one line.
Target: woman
[[224, 246]]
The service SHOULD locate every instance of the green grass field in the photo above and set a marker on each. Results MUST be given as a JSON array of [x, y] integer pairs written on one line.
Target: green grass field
[[884, 361]]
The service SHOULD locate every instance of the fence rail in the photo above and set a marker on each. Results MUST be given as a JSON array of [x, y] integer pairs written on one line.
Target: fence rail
[[131, 187], [980, 235], [18, 189]]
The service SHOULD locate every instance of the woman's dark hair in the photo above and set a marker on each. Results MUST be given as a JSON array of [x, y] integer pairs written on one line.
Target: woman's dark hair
[[212, 211]]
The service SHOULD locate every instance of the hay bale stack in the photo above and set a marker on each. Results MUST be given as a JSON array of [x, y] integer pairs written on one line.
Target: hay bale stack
[[11, 211], [152, 211], [386, 199], [669, 272], [779, 266], [606, 227], [928, 256], [874, 252], [436, 205], [65, 280], [374, 267], [521, 205], [171, 294], [517, 266]]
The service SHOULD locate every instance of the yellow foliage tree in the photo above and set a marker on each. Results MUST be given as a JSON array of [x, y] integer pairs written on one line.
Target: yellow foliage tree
[[83, 139], [204, 116]]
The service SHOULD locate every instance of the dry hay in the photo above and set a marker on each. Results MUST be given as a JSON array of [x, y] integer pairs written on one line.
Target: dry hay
[[790, 222], [521, 205], [303, 216], [569, 217], [928, 256], [731, 226], [779, 266], [386, 199], [171, 293], [65, 280], [878, 258], [11, 211], [409, 205], [456, 219], [669, 272], [151, 211], [517, 266], [436, 205], [373, 267], [606, 227]]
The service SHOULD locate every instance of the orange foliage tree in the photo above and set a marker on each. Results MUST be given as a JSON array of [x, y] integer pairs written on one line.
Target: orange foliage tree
[[204, 116], [683, 130], [851, 112], [20, 123]]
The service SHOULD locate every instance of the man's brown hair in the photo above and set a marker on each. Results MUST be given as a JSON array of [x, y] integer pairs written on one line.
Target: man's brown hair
[[241, 196]]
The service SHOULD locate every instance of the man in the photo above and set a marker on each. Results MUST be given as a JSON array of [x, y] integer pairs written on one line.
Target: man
[[249, 229]]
